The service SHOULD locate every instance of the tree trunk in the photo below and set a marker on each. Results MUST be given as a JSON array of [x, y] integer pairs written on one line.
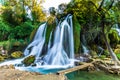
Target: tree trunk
[[112, 54]]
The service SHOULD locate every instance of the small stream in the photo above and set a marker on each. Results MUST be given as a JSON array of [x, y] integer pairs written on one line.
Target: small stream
[[93, 75]]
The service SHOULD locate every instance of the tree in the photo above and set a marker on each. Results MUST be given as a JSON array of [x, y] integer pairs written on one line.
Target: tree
[[12, 12], [95, 19], [15, 10]]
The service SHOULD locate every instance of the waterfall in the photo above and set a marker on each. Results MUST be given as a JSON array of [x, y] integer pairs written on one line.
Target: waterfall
[[60, 48], [85, 50], [35, 47], [117, 29], [61, 52]]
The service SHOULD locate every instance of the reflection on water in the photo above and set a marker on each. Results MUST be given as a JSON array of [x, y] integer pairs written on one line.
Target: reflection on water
[[94, 75]]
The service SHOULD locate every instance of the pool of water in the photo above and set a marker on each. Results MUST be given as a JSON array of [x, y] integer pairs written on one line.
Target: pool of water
[[94, 75]]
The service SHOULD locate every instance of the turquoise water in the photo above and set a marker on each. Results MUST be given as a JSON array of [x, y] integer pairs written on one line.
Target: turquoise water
[[94, 75]]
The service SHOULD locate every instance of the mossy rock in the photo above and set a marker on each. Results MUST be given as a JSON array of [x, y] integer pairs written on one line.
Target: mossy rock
[[118, 46], [93, 53], [106, 52], [102, 56], [1, 58], [29, 60], [16, 54], [117, 51]]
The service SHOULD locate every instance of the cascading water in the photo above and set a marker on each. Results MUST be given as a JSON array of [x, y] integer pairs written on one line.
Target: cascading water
[[59, 55], [117, 28], [85, 50], [62, 50], [84, 47]]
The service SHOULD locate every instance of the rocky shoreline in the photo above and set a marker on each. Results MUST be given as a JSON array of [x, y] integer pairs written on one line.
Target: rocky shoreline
[[8, 72]]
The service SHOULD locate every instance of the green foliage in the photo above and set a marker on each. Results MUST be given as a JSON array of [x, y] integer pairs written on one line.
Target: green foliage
[[4, 31], [16, 54], [51, 24], [32, 34], [113, 37], [106, 52], [117, 51], [12, 12], [102, 56], [118, 55], [29, 60], [22, 31], [76, 32]]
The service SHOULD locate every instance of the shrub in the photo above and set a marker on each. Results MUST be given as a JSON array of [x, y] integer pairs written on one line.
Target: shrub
[[4, 31], [22, 31]]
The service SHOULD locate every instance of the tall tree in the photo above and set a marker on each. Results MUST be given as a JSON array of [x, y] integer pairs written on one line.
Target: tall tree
[[95, 18], [15, 10]]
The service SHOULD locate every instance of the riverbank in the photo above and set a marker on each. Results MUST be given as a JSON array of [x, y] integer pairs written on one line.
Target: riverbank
[[9, 73]]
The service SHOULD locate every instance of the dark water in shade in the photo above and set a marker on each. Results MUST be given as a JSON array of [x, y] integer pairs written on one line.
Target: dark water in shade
[[94, 75]]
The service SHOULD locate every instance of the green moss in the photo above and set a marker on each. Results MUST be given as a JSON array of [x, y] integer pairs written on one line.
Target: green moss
[[29, 60], [33, 34], [17, 54], [93, 53], [76, 32], [118, 56], [113, 37], [1, 58], [117, 51], [50, 27]]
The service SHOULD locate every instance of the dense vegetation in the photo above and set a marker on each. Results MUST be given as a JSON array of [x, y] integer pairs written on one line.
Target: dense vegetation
[[94, 22]]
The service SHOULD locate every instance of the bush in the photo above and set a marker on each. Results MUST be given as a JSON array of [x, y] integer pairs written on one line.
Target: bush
[[113, 37], [22, 31], [4, 31]]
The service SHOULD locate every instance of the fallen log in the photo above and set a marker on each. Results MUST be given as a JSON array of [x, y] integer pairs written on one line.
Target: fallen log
[[85, 65]]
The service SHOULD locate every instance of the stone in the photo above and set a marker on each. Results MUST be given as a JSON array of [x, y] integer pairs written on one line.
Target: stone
[[16, 54], [29, 60]]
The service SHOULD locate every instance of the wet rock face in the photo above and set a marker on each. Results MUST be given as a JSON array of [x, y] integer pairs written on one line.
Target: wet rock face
[[29, 60]]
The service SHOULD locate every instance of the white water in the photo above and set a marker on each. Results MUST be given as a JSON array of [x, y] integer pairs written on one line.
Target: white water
[[62, 50], [59, 55], [116, 27], [35, 48], [85, 50]]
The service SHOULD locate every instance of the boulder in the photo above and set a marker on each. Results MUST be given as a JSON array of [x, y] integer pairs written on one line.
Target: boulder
[[117, 51], [16, 54], [1, 58], [29, 60]]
